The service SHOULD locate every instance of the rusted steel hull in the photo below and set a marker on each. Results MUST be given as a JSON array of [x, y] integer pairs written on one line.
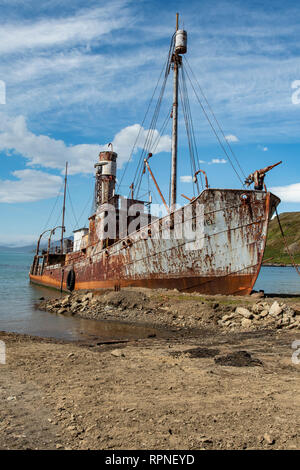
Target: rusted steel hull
[[225, 258]]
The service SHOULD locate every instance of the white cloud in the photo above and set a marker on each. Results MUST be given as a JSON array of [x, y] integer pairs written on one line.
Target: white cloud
[[231, 138], [54, 64], [51, 153], [217, 161], [186, 179], [125, 139], [30, 186], [289, 193], [214, 161], [45, 33], [265, 149]]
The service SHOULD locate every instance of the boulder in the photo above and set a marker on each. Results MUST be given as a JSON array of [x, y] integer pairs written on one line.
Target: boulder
[[62, 310], [289, 312], [291, 326], [258, 295], [257, 308], [264, 313], [246, 323], [244, 312], [285, 319], [275, 309], [87, 297], [66, 300], [74, 306], [228, 317]]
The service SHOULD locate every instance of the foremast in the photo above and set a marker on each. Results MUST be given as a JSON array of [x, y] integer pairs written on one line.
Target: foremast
[[180, 48]]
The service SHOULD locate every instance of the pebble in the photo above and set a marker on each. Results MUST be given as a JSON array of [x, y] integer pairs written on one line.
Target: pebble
[[117, 353], [269, 439]]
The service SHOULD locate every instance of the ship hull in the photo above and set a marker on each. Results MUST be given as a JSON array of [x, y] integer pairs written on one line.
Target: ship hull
[[224, 257]]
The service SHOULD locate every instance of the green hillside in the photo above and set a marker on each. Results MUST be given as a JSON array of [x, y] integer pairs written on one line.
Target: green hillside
[[275, 248]]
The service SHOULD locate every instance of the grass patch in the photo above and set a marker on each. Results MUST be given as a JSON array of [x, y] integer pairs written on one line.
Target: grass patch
[[275, 248]]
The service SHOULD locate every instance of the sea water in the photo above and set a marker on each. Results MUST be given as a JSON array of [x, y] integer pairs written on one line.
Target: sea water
[[18, 312]]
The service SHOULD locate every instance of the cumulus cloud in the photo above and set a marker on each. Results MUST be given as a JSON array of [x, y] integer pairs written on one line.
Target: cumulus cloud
[[289, 193], [231, 138], [186, 179], [51, 153], [30, 186]]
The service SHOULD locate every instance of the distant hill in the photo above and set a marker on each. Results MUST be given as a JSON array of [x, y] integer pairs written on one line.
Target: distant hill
[[21, 249], [275, 248], [31, 248]]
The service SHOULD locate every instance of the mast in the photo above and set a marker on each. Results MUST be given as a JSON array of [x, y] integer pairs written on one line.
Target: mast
[[179, 48], [63, 212], [175, 60]]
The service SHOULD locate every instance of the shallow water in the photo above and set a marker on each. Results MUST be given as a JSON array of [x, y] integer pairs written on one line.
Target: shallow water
[[19, 315], [278, 280]]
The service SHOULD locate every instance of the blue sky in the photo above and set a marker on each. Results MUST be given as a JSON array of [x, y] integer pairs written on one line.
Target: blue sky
[[79, 75]]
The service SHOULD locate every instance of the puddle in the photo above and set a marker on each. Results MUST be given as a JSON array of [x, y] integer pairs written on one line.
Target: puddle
[[21, 316]]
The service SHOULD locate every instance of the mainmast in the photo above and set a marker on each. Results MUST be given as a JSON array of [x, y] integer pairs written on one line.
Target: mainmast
[[180, 48], [63, 212]]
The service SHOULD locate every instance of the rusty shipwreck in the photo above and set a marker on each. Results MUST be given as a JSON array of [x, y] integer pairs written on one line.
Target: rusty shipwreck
[[213, 245]]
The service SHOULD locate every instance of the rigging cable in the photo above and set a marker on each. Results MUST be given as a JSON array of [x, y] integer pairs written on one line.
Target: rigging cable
[[215, 118], [57, 197], [155, 145], [74, 215], [214, 130], [151, 130], [166, 67], [89, 200], [187, 131], [192, 133], [187, 119]]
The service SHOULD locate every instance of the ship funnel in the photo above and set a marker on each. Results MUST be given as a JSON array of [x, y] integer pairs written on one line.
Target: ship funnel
[[105, 177], [180, 41]]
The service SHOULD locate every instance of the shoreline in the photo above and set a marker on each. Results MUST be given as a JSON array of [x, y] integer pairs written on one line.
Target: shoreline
[[175, 311], [279, 265]]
